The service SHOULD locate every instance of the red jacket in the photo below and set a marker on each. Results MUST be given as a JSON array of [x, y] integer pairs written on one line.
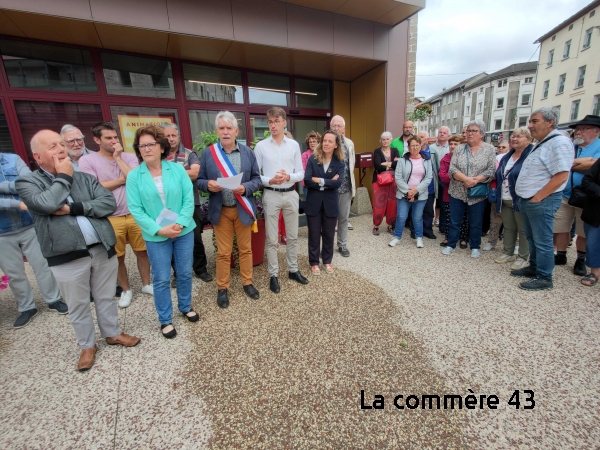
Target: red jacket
[[443, 174]]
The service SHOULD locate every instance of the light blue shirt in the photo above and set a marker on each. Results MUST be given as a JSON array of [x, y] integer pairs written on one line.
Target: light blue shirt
[[591, 151], [87, 229], [76, 164], [543, 163]]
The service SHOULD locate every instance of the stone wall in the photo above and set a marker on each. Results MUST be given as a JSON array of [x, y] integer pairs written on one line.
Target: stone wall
[[412, 62]]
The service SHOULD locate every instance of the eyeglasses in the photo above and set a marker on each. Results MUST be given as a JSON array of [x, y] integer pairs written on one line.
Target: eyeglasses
[[149, 145], [583, 129], [274, 122], [473, 131], [72, 141]]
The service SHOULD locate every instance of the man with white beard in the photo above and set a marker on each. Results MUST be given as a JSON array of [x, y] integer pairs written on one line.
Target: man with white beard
[[74, 143]]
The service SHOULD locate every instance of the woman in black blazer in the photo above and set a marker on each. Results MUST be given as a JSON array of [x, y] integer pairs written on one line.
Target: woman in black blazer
[[385, 202], [323, 176]]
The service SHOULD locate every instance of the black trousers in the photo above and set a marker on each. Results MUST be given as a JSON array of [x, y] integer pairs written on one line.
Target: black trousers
[[320, 228], [199, 264]]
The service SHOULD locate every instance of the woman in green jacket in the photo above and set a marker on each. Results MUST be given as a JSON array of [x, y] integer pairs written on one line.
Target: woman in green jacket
[[160, 198]]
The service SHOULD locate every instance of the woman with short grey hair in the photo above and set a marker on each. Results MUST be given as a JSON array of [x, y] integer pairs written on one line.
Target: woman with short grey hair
[[471, 170], [384, 194]]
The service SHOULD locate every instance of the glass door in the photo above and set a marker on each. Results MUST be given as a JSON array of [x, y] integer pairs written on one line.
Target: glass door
[[300, 127]]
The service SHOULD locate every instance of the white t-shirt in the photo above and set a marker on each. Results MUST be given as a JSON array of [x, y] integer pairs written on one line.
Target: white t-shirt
[[505, 191], [161, 190]]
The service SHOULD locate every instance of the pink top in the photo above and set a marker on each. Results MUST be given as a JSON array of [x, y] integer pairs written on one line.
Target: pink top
[[107, 170], [307, 154], [417, 174]]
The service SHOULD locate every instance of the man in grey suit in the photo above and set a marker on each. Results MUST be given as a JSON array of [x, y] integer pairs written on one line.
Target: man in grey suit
[[231, 211], [70, 210]]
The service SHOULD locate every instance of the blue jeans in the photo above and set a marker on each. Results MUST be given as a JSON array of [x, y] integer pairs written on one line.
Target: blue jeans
[[457, 212], [538, 224], [181, 250], [592, 246], [417, 216]]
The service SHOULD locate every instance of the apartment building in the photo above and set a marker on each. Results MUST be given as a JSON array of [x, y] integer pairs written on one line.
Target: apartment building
[[569, 66], [503, 100]]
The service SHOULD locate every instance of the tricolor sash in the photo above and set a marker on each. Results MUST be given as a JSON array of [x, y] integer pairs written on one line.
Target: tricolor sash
[[227, 170]]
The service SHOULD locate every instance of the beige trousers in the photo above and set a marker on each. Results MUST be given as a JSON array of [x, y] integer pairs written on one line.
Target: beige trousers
[[287, 202]]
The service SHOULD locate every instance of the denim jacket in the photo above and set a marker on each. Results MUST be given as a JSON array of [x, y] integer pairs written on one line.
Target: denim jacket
[[12, 219], [512, 177]]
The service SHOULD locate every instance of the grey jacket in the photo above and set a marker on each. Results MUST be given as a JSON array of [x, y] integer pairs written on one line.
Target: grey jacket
[[60, 237], [403, 172]]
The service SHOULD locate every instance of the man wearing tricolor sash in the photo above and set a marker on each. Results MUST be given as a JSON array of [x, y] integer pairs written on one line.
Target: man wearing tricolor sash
[[231, 211]]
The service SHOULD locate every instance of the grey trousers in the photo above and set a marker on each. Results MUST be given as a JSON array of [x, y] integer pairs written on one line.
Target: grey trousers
[[513, 228], [12, 249], [345, 200], [287, 202], [96, 274]]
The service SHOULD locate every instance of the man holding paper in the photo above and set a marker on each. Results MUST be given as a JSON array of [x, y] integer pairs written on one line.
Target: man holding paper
[[229, 173], [161, 199], [281, 164]]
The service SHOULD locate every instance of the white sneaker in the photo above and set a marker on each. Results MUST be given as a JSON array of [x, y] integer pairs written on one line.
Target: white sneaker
[[520, 263], [516, 252], [394, 242], [350, 227], [475, 253], [505, 258], [487, 247], [447, 251], [420, 243], [125, 299], [148, 289]]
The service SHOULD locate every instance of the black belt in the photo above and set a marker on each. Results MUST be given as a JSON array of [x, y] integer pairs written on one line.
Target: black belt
[[93, 245], [291, 188]]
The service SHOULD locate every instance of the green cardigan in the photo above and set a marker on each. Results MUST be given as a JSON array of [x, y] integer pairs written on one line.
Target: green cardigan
[[145, 203], [398, 144]]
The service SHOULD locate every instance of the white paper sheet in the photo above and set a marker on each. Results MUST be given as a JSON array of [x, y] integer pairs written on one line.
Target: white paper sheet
[[166, 217], [231, 182]]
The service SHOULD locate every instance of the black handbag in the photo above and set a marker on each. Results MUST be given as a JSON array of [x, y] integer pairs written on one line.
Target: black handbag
[[579, 197]]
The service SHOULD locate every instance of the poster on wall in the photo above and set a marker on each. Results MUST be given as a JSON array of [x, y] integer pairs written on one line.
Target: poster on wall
[[130, 124]]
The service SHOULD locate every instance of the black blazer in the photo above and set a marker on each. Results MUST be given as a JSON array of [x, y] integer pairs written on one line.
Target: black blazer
[[327, 197], [378, 158], [591, 186]]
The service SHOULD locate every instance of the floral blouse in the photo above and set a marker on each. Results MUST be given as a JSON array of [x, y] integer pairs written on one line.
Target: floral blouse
[[482, 163]]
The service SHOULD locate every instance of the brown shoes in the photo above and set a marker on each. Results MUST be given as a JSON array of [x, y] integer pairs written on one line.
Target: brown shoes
[[86, 360], [123, 339]]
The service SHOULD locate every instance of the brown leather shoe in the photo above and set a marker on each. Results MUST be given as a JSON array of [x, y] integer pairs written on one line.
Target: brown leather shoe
[[86, 360], [123, 339]]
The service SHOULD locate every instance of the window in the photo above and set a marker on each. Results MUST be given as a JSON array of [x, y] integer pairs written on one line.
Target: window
[[593, 13], [561, 83], [528, 80], [498, 124], [35, 116], [587, 40], [481, 90], [469, 95], [454, 129], [557, 109], [6, 145], [567, 49], [212, 84], [468, 110], [570, 27], [48, 67], [443, 101], [479, 107], [455, 113], [553, 37], [550, 57], [456, 97], [140, 77], [596, 105], [500, 103], [312, 94], [523, 121], [130, 118], [575, 109], [580, 77], [525, 99], [201, 120], [545, 89], [265, 89]]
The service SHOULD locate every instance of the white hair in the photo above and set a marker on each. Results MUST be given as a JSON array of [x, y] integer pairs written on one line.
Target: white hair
[[548, 113], [441, 128], [226, 116], [165, 125], [339, 117], [479, 124], [68, 127], [386, 134]]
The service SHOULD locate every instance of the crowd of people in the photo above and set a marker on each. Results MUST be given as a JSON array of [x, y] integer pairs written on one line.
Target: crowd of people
[[73, 217]]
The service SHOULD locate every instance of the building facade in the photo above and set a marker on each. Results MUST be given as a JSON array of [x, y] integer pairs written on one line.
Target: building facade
[[154, 61], [569, 66], [503, 100]]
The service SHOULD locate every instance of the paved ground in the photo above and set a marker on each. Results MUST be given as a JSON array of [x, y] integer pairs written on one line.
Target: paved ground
[[287, 370]]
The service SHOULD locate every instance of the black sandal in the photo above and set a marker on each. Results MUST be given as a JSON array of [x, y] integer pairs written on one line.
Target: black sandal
[[463, 246], [171, 334], [194, 318], [590, 278], [375, 231]]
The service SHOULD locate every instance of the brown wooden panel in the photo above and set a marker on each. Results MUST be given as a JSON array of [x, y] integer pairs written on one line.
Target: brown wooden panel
[[197, 48], [135, 40], [251, 56], [8, 26], [329, 5], [341, 103], [55, 29], [370, 10]]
